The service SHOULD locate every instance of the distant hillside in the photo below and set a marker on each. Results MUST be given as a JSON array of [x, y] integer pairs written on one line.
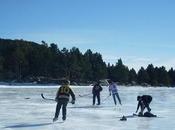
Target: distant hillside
[[26, 61]]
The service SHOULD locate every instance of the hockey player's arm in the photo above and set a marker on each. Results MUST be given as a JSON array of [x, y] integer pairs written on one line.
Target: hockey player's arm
[[73, 96], [110, 90], [101, 88], [57, 95], [138, 106], [93, 90]]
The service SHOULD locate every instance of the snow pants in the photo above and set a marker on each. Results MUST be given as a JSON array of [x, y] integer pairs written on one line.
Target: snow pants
[[61, 103]]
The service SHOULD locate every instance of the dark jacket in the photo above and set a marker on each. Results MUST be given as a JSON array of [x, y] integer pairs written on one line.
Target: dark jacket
[[144, 100], [64, 92], [97, 89]]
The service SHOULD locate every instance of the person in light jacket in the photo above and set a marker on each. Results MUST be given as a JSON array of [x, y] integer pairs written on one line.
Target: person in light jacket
[[114, 92]]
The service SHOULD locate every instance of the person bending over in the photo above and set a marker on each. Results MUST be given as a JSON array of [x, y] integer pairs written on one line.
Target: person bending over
[[143, 102]]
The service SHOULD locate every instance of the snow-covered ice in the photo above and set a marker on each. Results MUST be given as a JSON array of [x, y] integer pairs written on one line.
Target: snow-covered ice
[[22, 108]]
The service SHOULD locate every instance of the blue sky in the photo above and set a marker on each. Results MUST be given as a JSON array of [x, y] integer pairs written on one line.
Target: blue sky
[[138, 31]]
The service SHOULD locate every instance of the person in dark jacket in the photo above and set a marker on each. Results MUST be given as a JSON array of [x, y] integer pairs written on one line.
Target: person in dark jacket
[[62, 99], [143, 102], [96, 92]]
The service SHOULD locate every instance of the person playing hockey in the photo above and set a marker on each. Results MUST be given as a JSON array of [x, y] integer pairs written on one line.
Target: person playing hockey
[[143, 102], [62, 99], [113, 89], [96, 92]]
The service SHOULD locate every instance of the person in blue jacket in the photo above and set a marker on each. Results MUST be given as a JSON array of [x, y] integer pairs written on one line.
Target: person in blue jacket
[[114, 92]]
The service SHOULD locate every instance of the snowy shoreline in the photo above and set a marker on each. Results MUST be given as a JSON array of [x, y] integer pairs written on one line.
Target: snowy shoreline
[[39, 86], [75, 86]]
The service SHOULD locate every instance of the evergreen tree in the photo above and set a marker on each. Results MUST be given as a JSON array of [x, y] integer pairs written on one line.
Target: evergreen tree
[[143, 76], [88, 72], [132, 76], [119, 72], [75, 64], [163, 78], [152, 75], [171, 74], [54, 65], [1, 67]]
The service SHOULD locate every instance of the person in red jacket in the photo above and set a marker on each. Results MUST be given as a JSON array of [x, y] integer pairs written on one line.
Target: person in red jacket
[[62, 99]]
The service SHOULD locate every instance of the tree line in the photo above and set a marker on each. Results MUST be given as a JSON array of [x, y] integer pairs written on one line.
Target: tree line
[[27, 61]]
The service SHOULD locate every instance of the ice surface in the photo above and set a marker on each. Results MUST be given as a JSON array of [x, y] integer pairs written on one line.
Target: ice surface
[[24, 109]]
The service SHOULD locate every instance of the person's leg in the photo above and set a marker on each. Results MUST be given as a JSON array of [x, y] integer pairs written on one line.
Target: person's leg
[[64, 109], [94, 99], [118, 98], [58, 107], [98, 97], [147, 106], [113, 95], [142, 109]]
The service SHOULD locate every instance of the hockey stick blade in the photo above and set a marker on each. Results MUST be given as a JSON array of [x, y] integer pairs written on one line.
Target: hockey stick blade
[[46, 98], [42, 95]]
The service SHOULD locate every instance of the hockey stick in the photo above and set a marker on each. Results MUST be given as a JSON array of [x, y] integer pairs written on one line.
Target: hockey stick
[[105, 99], [46, 98], [84, 95], [42, 95]]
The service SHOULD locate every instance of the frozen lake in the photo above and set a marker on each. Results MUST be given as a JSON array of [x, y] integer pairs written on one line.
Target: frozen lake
[[24, 109]]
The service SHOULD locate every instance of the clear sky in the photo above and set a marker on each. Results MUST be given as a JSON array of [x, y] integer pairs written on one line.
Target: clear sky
[[138, 31]]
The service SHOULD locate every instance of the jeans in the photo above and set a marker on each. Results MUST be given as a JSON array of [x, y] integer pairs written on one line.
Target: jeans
[[114, 95], [98, 98]]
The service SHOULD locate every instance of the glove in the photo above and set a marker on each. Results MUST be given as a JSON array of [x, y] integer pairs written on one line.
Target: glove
[[73, 101]]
